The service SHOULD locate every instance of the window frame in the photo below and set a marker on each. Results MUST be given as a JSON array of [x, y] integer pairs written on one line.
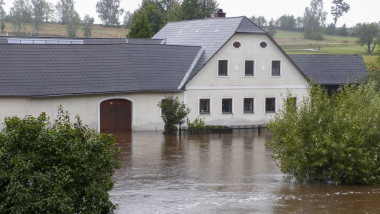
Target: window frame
[[271, 68], [253, 105], [274, 106], [253, 68], [209, 106], [218, 65], [231, 105]]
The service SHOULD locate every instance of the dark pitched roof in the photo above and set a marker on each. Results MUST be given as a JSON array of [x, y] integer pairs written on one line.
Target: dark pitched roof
[[331, 69], [146, 41], [56, 70], [210, 33]]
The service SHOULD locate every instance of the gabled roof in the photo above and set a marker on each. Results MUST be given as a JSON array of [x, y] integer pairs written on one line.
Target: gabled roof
[[331, 69], [212, 33], [57, 70]]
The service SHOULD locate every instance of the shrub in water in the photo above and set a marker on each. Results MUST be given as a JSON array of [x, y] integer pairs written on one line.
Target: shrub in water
[[60, 168], [330, 138]]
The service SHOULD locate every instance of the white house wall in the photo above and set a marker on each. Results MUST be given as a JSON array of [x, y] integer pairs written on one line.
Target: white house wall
[[207, 84], [145, 112]]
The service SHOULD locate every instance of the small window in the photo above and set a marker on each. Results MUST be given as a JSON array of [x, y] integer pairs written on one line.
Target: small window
[[222, 68], [227, 106], [270, 105], [276, 68], [248, 105], [263, 44], [237, 44], [249, 68], [204, 106]]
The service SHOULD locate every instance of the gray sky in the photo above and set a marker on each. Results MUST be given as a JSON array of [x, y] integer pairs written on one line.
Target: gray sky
[[361, 10]]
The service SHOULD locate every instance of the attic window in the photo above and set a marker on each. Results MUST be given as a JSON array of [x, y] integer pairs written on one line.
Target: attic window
[[237, 44], [263, 44]]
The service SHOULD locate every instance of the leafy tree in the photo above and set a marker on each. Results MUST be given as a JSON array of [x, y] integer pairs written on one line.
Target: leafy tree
[[260, 20], [330, 138], [88, 23], [314, 20], [369, 34], [2, 15], [171, 9], [155, 17], [330, 30], [65, 10], [38, 14], [197, 9], [73, 23], [286, 22], [374, 71], [20, 14], [173, 113], [342, 31], [109, 11], [272, 28], [141, 27], [55, 168], [127, 20], [339, 7], [299, 23], [48, 12]]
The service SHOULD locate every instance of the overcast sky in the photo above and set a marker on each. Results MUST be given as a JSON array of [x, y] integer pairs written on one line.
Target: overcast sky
[[361, 10]]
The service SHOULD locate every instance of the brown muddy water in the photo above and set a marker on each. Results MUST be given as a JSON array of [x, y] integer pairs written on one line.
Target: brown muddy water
[[221, 173]]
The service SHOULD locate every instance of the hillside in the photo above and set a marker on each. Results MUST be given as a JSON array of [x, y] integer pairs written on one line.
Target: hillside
[[291, 42], [58, 30], [294, 43]]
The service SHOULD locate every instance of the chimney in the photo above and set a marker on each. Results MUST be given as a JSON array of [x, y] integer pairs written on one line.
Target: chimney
[[219, 14]]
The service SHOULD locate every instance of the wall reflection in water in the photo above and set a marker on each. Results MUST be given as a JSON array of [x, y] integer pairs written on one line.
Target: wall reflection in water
[[219, 173]]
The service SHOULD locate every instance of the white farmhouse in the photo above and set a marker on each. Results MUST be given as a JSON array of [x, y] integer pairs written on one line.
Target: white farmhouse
[[227, 70]]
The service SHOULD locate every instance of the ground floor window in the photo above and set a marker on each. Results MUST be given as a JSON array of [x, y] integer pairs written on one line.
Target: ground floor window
[[204, 106], [248, 105], [270, 105], [227, 106]]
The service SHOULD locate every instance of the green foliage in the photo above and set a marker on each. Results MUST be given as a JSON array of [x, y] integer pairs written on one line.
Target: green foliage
[[260, 20], [374, 71], [173, 113], [330, 138], [65, 10], [140, 27], [198, 126], [72, 24], [109, 11], [38, 9], [342, 31], [330, 30], [2, 26], [369, 34], [60, 168], [88, 23], [286, 22], [20, 14], [197, 9], [339, 7], [314, 20], [272, 28]]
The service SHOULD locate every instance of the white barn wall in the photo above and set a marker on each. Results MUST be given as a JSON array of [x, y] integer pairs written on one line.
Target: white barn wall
[[145, 112]]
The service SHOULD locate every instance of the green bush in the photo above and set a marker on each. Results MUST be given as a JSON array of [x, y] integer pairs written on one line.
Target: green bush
[[60, 168], [330, 138], [173, 113]]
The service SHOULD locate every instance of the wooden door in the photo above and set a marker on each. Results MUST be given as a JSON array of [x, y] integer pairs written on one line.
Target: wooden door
[[115, 116]]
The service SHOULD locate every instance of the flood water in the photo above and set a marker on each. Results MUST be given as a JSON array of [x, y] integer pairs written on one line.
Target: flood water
[[221, 173]]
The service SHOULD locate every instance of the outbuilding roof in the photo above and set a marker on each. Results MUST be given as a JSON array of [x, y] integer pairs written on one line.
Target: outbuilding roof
[[331, 69], [56, 70]]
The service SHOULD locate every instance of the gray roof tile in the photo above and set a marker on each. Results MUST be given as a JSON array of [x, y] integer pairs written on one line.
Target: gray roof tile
[[331, 69], [48, 70]]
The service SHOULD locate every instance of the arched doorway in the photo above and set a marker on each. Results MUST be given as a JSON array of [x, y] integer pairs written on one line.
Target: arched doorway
[[115, 116]]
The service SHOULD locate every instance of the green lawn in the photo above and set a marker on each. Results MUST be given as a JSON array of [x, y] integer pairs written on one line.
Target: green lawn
[[294, 43]]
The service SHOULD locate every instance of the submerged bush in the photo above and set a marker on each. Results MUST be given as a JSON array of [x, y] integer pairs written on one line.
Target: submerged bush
[[60, 168], [330, 138]]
